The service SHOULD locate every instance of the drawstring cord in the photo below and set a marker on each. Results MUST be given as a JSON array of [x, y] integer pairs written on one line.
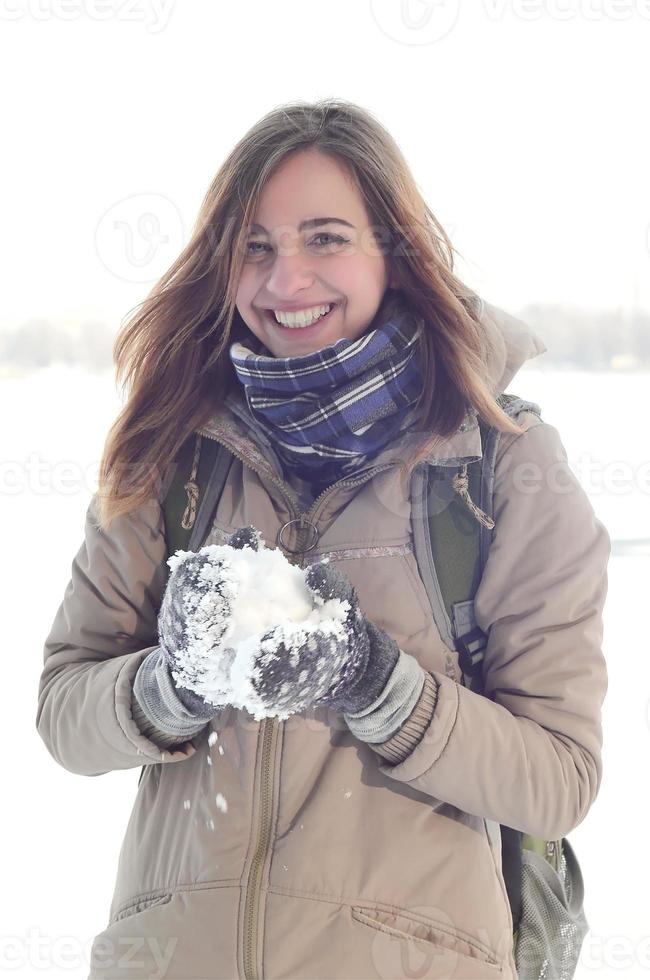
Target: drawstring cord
[[460, 483], [192, 489]]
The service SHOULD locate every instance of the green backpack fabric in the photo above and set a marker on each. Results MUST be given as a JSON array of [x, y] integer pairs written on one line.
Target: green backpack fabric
[[451, 548]]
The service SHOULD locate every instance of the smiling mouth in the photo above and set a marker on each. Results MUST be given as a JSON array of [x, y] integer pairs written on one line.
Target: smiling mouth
[[270, 315]]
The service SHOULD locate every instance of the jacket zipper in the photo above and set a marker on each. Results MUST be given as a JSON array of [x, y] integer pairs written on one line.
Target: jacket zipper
[[269, 738], [254, 884], [286, 489]]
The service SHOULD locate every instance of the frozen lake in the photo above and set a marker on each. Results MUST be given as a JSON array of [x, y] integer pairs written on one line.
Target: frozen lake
[[63, 832]]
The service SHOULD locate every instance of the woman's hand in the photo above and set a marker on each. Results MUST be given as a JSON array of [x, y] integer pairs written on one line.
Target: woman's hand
[[345, 667], [194, 614]]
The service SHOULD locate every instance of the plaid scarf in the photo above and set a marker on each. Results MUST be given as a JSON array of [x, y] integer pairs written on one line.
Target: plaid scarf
[[330, 411]]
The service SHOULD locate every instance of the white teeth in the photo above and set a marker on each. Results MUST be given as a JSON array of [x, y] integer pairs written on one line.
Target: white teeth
[[304, 318]]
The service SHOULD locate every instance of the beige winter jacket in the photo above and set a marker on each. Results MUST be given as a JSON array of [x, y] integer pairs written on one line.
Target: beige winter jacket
[[292, 849]]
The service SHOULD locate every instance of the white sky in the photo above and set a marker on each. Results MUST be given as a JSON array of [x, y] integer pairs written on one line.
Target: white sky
[[525, 123]]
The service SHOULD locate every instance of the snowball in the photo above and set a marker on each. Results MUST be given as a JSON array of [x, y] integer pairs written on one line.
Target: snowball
[[262, 590]]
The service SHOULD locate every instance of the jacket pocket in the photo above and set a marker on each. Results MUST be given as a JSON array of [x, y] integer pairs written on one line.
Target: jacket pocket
[[139, 905], [444, 945], [552, 926]]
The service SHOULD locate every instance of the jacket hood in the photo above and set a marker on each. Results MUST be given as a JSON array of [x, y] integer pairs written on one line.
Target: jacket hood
[[511, 342]]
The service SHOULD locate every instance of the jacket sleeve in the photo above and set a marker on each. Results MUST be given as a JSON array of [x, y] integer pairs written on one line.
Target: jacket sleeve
[[104, 629], [527, 755]]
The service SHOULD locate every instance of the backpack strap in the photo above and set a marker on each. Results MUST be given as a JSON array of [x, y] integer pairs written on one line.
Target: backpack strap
[[201, 463], [446, 538], [460, 544], [451, 547]]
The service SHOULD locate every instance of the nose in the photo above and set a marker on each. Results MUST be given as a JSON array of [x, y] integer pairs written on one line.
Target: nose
[[289, 274]]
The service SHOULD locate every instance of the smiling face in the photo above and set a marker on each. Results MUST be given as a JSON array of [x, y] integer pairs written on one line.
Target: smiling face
[[296, 261]]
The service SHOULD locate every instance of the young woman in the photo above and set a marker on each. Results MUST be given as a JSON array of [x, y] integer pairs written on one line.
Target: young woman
[[314, 326]]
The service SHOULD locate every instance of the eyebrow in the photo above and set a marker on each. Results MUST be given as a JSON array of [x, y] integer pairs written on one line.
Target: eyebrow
[[308, 223]]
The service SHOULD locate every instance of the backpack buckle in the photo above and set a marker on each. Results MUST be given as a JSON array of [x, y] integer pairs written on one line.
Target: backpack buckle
[[471, 650]]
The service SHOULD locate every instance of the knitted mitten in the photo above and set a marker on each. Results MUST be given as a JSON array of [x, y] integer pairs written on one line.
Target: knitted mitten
[[346, 667], [195, 611]]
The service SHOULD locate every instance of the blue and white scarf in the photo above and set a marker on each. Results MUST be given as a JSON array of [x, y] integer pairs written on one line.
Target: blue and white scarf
[[328, 412]]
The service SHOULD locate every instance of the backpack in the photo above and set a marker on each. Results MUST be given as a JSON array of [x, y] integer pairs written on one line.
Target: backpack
[[543, 880]]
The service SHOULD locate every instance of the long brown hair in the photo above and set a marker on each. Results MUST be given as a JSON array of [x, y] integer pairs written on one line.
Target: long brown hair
[[172, 355]]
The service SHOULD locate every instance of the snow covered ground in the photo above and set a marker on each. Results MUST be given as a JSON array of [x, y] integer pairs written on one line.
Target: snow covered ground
[[62, 832]]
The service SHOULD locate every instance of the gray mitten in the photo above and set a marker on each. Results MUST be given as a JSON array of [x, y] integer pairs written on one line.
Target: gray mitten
[[194, 615], [346, 669]]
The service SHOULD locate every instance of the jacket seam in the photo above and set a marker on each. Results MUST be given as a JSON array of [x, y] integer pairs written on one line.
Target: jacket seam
[[337, 899], [416, 584], [356, 545], [503, 891]]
